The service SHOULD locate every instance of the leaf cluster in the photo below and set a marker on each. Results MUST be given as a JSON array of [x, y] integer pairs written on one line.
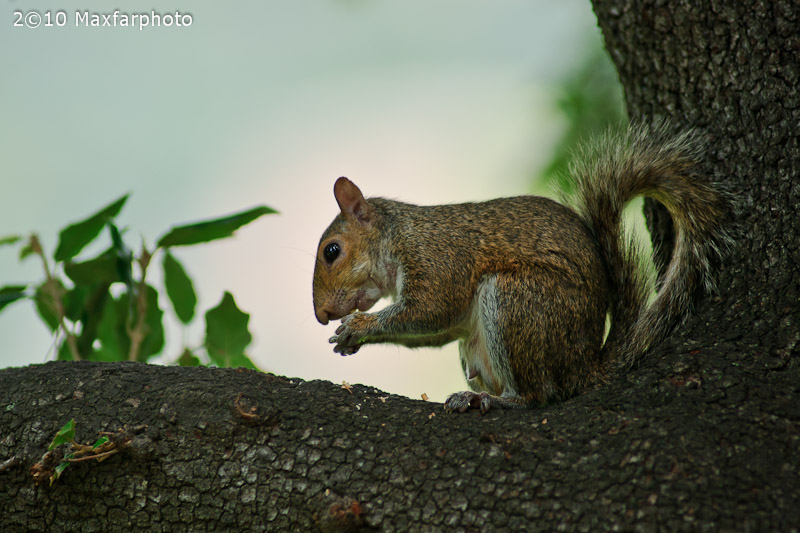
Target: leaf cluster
[[65, 450], [103, 308]]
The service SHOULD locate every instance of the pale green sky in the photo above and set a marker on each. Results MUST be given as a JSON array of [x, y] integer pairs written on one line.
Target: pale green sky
[[268, 102]]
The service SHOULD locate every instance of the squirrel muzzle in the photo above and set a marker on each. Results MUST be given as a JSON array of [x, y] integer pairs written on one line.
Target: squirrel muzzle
[[337, 307]]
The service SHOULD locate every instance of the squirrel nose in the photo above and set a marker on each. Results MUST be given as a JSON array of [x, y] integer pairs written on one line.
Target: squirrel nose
[[322, 315]]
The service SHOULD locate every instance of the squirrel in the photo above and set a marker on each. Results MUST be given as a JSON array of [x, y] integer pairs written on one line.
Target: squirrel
[[525, 283]]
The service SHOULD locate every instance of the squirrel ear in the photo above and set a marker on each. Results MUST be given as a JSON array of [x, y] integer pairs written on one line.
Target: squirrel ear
[[351, 201]]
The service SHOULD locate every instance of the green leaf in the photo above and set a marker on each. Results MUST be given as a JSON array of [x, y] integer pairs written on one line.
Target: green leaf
[[187, 358], [65, 435], [116, 240], [46, 305], [75, 302], [124, 257], [153, 342], [60, 468], [25, 251], [179, 289], [111, 333], [113, 329], [99, 442], [211, 229], [87, 305], [226, 332], [10, 239], [101, 269], [73, 238], [11, 293], [242, 361]]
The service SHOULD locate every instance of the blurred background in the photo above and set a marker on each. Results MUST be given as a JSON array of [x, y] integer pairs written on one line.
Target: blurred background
[[268, 103]]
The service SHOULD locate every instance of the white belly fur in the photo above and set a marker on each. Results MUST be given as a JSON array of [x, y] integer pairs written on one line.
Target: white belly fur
[[483, 353]]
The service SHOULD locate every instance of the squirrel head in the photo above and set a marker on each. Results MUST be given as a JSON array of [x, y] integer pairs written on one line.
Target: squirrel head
[[347, 275]]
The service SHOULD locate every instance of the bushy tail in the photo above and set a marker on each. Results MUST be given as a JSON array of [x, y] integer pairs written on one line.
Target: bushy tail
[[648, 161]]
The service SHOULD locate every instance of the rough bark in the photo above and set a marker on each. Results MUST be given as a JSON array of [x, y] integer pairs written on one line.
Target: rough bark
[[703, 435], [698, 448]]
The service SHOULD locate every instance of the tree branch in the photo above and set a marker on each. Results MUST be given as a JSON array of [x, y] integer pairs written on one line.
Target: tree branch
[[685, 452]]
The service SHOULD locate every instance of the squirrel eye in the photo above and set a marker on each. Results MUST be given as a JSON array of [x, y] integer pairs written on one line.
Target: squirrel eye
[[331, 252]]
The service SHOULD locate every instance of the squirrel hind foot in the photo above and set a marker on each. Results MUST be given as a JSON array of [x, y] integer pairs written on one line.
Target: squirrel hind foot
[[460, 402]]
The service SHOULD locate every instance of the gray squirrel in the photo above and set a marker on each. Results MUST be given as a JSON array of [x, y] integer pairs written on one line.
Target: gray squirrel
[[525, 283]]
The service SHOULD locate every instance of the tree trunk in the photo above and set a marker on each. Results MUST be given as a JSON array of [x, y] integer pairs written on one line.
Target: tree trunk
[[730, 69], [704, 434]]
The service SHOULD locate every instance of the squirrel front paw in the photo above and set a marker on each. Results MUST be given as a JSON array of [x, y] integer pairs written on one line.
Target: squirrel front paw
[[351, 334]]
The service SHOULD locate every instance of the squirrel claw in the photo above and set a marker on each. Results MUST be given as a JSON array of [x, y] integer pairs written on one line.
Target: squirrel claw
[[347, 338], [345, 350], [461, 401]]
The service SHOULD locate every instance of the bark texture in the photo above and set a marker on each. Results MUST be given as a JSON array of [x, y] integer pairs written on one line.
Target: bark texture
[[697, 449], [703, 435]]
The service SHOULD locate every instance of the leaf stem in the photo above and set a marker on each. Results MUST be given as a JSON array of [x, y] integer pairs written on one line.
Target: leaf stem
[[138, 332]]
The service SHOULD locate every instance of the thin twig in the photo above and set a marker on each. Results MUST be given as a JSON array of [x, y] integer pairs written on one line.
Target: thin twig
[[99, 456], [8, 463]]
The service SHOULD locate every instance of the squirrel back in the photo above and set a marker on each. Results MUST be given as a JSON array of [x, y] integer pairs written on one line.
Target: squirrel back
[[525, 284]]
